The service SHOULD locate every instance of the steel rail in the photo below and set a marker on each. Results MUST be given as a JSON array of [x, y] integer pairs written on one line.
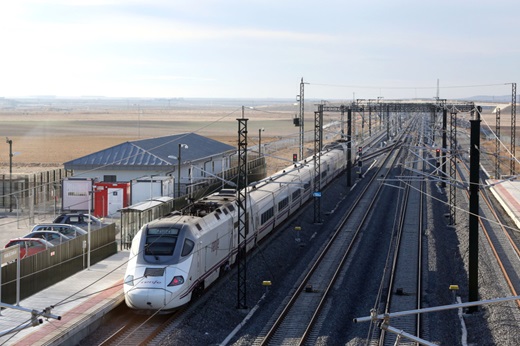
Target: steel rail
[[490, 241], [141, 329], [396, 267], [277, 324]]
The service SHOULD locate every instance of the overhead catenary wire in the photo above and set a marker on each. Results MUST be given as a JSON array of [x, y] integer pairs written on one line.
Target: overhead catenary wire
[[381, 87], [64, 302], [68, 299]]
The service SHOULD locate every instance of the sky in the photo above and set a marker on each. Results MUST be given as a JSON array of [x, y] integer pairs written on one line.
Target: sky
[[259, 48]]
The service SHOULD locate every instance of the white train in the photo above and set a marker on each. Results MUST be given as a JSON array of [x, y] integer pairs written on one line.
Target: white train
[[178, 256]]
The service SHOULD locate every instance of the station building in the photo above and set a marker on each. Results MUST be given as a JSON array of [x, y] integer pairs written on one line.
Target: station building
[[167, 165]]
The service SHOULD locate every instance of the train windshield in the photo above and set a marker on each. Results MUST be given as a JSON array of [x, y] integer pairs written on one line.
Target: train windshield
[[160, 241]]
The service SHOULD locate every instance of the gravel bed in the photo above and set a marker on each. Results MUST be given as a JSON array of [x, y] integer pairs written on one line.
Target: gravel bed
[[282, 258], [493, 324]]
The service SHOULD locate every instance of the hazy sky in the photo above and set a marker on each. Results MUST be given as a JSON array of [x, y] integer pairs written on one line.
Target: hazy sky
[[259, 48]]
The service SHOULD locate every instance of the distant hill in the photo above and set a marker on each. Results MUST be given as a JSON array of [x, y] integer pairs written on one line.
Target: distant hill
[[487, 98]]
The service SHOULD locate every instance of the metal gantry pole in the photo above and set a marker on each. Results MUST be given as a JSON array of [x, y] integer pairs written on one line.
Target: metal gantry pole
[[513, 130], [342, 121], [10, 142], [444, 147], [243, 223], [432, 122], [369, 120], [349, 147], [388, 122], [178, 173], [381, 117], [302, 116], [362, 123], [318, 128], [497, 144], [474, 179], [453, 167]]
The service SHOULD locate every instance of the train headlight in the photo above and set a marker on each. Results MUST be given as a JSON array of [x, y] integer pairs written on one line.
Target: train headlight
[[129, 280], [176, 281]]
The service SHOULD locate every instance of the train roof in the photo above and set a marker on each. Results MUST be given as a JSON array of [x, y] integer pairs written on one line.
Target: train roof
[[212, 202]]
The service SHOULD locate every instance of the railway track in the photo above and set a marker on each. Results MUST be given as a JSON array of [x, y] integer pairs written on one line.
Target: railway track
[[139, 330], [294, 323], [405, 289], [502, 246]]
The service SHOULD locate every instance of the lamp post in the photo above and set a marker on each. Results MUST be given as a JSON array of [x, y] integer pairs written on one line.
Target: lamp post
[[178, 158], [151, 183], [10, 142], [260, 141], [90, 192]]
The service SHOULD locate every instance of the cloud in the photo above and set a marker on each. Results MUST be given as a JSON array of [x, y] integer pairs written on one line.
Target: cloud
[[174, 78]]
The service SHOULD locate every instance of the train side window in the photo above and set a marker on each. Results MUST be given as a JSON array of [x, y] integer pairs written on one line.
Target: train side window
[[283, 203], [231, 208], [188, 247], [266, 216], [198, 227]]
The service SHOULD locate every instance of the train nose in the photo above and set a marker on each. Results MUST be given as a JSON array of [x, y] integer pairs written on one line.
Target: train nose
[[148, 299]]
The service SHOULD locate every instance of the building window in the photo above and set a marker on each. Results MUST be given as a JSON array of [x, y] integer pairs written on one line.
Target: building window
[[110, 178]]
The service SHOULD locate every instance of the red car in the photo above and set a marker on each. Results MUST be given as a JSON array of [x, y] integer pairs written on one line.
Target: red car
[[29, 246]]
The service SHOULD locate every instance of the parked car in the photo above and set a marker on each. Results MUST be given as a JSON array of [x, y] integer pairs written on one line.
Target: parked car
[[70, 231], [29, 246], [79, 219], [55, 238]]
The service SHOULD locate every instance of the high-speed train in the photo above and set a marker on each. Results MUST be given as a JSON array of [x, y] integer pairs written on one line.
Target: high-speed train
[[178, 256]]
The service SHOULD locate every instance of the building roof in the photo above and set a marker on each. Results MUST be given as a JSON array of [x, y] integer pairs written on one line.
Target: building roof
[[152, 152]]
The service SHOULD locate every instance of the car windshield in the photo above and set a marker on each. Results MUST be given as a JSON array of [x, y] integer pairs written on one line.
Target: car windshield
[[59, 219], [16, 242], [68, 231], [36, 244]]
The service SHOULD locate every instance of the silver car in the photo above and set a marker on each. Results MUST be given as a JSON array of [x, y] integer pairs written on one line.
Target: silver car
[[80, 220], [55, 238], [70, 231]]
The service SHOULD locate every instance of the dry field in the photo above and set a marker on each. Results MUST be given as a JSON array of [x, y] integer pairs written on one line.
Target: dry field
[[46, 137]]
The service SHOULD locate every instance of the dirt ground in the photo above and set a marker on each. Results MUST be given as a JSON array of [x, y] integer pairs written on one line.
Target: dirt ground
[[46, 137]]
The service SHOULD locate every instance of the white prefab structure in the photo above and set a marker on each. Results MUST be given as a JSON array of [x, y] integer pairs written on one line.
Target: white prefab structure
[[147, 188], [75, 194]]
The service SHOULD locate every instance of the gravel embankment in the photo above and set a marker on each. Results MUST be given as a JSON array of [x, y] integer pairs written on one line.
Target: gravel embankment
[[283, 260]]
